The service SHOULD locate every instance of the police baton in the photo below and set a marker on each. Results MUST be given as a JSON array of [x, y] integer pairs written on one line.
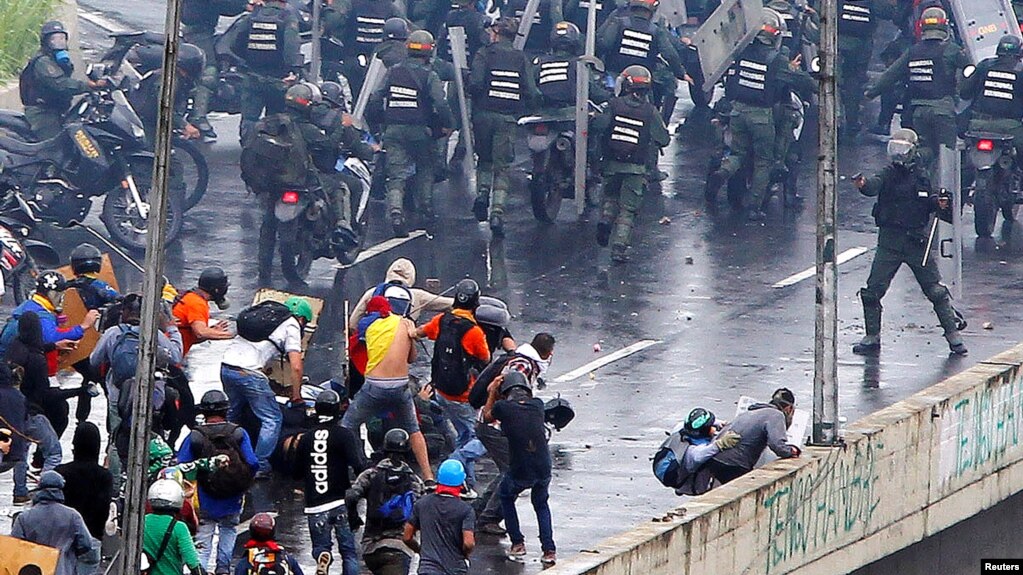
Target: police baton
[[930, 239]]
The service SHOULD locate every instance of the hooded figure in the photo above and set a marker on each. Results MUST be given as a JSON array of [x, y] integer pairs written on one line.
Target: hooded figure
[[89, 486], [50, 522], [402, 271], [30, 352]]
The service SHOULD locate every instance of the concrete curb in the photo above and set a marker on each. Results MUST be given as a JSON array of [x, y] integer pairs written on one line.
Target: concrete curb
[[68, 14]]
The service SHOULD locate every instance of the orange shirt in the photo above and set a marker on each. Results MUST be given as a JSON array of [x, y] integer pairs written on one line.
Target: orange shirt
[[474, 342], [190, 308]]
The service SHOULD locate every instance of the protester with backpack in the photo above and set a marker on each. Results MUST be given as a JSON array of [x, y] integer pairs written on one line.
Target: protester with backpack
[[447, 524], [324, 456], [25, 428], [402, 273], [680, 462], [268, 332], [263, 554], [390, 489], [220, 491], [191, 309], [166, 542], [460, 352]]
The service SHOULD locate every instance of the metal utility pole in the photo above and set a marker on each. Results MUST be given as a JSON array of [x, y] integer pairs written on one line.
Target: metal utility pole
[[152, 288], [582, 108], [825, 350], [315, 64]]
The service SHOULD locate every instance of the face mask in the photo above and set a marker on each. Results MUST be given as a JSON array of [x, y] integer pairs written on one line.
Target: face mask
[[223, 303], [544, 365], [900, 151], [57, 42], [58, 300], [63, 57]]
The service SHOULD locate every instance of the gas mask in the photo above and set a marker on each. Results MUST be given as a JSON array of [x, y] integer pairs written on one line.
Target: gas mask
[[222, 303], [57, 299], [58, 45], [901, 151]]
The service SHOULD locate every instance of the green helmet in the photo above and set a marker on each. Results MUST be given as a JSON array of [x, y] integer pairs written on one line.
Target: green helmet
[[300, 307], [772, 28], [420, 43], [934, 24]]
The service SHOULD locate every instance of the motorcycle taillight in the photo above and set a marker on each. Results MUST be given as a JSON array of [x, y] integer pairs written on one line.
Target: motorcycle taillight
[[540, 129], [289, 197], [985, 145]]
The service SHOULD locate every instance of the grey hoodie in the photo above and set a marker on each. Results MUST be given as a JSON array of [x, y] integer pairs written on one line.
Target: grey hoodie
[[762, 426], [404, 271], [49, 522]]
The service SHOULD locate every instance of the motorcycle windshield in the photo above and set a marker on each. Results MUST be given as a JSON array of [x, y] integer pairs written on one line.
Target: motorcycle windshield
[[125, 118]]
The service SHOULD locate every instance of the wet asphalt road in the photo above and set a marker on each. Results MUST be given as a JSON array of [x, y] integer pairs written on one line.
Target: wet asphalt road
[[699, 286]]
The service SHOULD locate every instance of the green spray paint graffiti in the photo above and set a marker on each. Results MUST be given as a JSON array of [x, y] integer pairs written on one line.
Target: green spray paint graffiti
[[820, 506], [978, 431]]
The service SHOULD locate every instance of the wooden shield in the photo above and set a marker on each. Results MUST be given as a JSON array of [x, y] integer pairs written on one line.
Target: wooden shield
[[280, 374], [16, 554], [75, 311]]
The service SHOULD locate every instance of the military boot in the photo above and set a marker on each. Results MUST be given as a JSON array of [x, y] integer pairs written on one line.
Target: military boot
[[481, 206], [398, 225], [869, 345], [955, 343]]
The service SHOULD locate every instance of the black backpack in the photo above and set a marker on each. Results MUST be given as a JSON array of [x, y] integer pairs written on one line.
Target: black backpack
[[391, 499], [275, 155], [478, 394], [225, 482], [256, 323], [450, 366]]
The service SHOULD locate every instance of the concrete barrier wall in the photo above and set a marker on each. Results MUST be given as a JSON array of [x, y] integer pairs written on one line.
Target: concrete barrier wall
[[67, 12], [904, 473]]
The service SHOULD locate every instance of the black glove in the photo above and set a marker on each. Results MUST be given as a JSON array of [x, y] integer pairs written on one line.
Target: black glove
[[354, 521]]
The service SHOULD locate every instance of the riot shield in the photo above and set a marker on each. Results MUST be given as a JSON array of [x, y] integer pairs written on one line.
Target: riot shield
[[459, 56], [981, 23], [529, 17], [374, 76], [726, 33], [672, 13]]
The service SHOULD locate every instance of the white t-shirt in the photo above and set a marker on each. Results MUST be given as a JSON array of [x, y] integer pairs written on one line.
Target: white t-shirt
[[254, 356]]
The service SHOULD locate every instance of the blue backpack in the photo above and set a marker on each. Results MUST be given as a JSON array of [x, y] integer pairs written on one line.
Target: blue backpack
[[668, 461], [124, 356]]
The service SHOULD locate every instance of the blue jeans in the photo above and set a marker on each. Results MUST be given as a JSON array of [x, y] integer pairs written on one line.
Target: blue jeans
[[468, 454], [225, 546], [244, 387], [539, 495], [463, 417], [320, 526], [38, 428], [373, 400]]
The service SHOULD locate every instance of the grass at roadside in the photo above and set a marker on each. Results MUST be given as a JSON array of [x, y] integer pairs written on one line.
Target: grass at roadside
[[19, 32]]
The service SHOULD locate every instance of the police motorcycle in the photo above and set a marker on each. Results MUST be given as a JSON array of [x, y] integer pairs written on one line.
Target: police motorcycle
[[999, 182], [101, 151], [19, 253]]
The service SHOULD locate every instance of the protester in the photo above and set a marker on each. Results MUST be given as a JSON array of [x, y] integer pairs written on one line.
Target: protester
[[446, 523], [166, 540], [192, 309], [28, 352], [764, 425], [88, 486], [26, 427], [402, 272], [49, 522], [263, 554]]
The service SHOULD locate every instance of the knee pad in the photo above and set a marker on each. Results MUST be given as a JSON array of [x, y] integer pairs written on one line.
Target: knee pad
[[869, 299]]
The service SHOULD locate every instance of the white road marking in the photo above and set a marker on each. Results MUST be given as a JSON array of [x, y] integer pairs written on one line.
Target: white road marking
[[381, 248], [602, 361], [103, 22], [811, 272]]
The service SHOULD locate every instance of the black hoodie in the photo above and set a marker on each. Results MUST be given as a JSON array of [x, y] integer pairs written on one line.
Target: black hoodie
[[88, 486]]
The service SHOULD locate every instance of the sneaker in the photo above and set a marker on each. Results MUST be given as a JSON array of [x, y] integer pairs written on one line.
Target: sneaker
[[398, 226], [323, 563], [21, 500], [469, 494], [93, 389], [549, 558], [481, 207], [492, 529], [430, 484], [603, 233], [517, 551]]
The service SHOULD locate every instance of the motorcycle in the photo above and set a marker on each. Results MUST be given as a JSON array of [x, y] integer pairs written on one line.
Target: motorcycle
[[19, 254], [999, 183], [306, 224], [100, 151]]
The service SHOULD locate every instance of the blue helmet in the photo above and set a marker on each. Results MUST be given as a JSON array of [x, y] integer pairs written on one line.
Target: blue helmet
[[451, 473]]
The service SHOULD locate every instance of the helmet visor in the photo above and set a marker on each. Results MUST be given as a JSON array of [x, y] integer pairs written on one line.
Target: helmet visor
[[57, 41], [900, 150]]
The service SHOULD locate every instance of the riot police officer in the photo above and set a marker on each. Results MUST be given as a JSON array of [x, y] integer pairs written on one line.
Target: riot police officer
[[857, 22], [996, 89], [465, 16], [753, 87], [46, 86], [358, 26], [411, 104], [269, 43], [555, 73], [199, 20], [393, 49], [625, 135], [906, 201], [577, 11], [502, 88], [930, 69], [548, 12]]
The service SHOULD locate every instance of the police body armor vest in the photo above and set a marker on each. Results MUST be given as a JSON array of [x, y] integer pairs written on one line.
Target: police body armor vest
[[367, 29], [266, 37], [505, 88], [1000, 87], [629, 137], [750, 80], [635, 45], [557, 77], [855, 18], [929, 76], [905, 202], [405, 101], [450, 368], [28, 88]]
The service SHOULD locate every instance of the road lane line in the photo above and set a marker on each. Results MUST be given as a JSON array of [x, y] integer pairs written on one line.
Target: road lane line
[[811, 272], [381, 248], [602, 361], [101, 21]]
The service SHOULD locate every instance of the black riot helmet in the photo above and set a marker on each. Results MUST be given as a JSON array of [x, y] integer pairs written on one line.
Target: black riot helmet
[[213, 280], [302, 96], [514, 379], [565, 36], [699, 423], [328, 403], [191, 61], [467, 294], [420, 44], [86, 259], [52, 28], [333, 93], [396, 29], [396, 441], [1010, 46], [50, 281], [214, 402]]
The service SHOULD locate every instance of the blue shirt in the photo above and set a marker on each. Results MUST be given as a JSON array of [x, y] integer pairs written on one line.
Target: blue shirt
[[51, 333], [212, 507], [95, 293]]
